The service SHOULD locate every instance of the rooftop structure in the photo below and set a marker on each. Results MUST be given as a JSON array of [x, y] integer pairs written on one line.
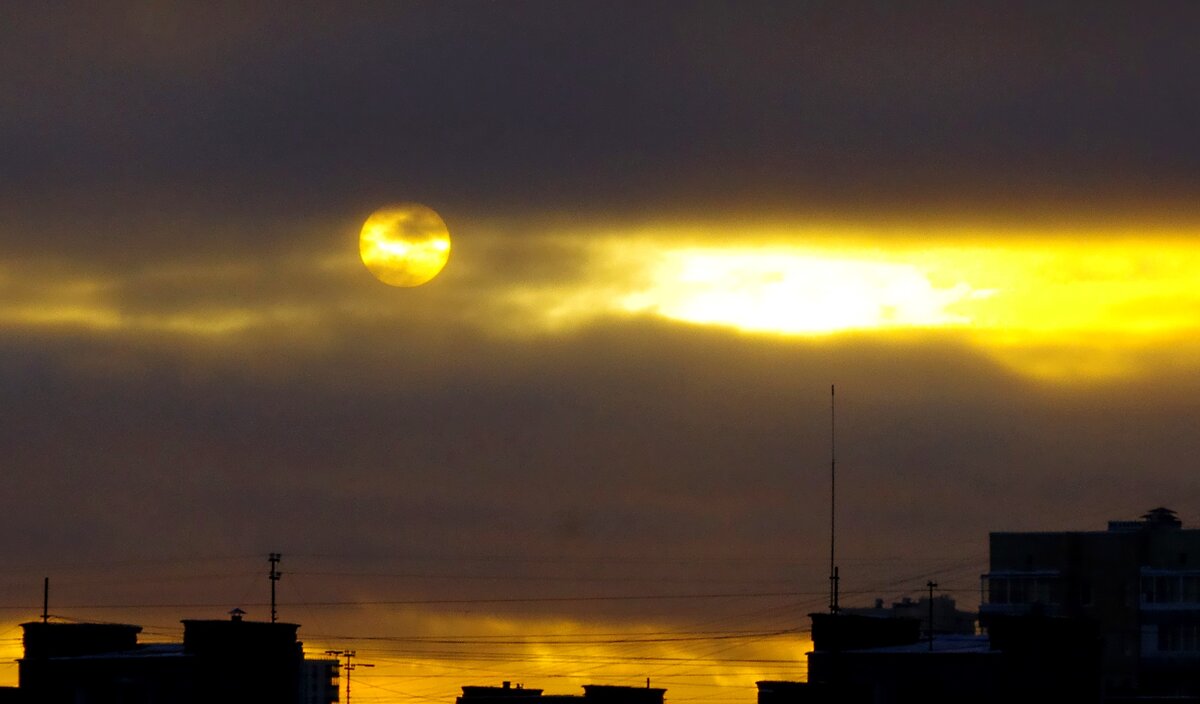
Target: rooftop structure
[[592, 694], [947, 618], [218, 660]]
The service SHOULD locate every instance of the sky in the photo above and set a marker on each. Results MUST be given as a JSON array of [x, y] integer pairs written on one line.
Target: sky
[[596, 447]]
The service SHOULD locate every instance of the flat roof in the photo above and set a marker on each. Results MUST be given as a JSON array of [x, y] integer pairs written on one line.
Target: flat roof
[[149, 650], [941, 644]]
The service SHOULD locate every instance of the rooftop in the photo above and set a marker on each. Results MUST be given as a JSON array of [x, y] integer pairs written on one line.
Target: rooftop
[[941, 644]]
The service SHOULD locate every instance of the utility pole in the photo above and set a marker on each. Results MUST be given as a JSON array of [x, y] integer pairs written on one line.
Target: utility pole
[[274, 576], [348, 667], [46, 600], [931, 585]]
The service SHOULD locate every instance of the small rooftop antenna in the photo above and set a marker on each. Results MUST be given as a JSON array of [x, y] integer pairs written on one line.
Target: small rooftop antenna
[[45, 600], [833, 570], [274, 576]]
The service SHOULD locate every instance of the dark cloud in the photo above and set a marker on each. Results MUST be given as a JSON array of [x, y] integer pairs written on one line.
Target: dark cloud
[[636, 440], [594, 108]]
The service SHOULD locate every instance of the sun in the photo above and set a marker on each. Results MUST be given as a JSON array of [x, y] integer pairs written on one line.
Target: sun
[[405, 244]]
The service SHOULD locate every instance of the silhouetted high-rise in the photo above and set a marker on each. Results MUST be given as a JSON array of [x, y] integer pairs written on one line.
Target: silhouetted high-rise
[[1138, 582]]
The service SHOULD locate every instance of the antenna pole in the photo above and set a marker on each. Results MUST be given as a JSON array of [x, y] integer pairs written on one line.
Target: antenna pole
[[274, 576], [833, 570], [45, 600], [931, 585]]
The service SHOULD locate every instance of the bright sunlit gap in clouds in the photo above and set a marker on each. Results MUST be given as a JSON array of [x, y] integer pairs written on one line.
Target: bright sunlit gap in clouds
[[793, 292], [1057, 309]]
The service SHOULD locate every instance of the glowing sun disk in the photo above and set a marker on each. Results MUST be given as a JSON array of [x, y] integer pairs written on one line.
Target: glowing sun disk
[[404, 245]]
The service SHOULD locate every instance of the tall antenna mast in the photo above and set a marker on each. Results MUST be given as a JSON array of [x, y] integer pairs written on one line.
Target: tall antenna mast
[[46, 600], [833, 570], [274, 577]]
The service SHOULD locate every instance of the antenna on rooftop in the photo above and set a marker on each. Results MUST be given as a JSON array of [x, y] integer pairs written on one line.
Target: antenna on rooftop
[[45, 600], [931, 585], [833, 570], [274, 576]]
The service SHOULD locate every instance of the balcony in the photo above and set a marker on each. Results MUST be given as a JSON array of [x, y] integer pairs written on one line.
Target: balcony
[[1169, 590], [1171, 642], [1013, 593]]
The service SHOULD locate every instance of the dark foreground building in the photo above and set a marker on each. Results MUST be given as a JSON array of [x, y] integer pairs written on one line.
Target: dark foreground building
[[885, 660], [1138, 583], [218, 661], [1078, 616]]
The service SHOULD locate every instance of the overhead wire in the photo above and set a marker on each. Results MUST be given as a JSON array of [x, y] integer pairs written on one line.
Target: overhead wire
[[569, 656]]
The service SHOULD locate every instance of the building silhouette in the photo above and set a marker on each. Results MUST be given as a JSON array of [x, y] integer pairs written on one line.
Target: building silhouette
[[1138, 582], [592, 694], [947, 618], [1076, 616], [218, 661], [868, 659]]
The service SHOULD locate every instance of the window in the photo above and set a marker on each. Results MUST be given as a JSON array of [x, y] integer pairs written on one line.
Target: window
[[1191, 589], [1178, 637], [998, 590], [1018, 591], [1170, 589], [1165, 641], [1043, 591]]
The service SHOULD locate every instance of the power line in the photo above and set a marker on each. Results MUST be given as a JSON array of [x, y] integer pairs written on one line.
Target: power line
[[428, 602], [543, 578], [608, 639]]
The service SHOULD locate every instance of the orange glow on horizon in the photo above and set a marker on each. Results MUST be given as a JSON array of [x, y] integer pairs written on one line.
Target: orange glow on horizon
[[455, 650], [431, 656]]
